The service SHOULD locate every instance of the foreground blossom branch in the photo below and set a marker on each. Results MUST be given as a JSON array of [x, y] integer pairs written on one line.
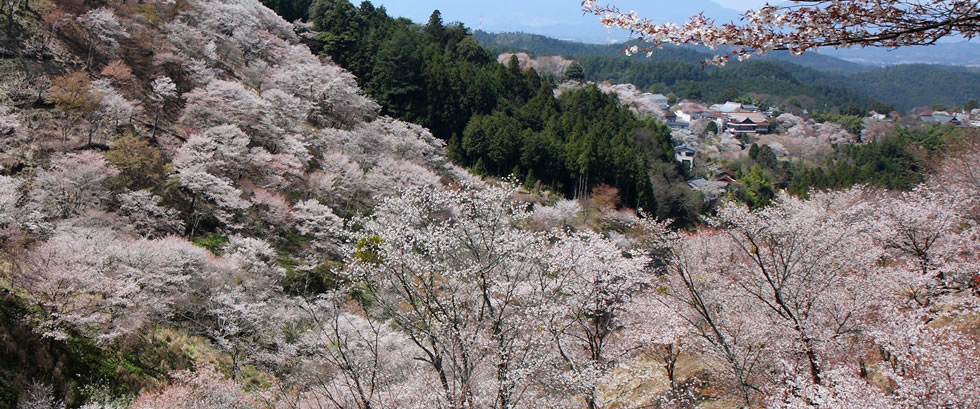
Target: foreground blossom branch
[[798, 26]]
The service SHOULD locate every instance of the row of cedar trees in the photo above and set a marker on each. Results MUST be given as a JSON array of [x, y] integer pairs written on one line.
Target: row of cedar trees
[[497, 119]]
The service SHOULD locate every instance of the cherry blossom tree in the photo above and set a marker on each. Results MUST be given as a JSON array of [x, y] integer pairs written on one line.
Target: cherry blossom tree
[[275, 170], [457, 278], [275, 208], [929, 365], [221, 149], [365, 141], [338, 176], [238, 311], [874, 130], [72, 181], [805, 263], [223, 103], [391, 175], [200, 72], [958, 177], [332, 92], [347, 360], [914, 223], [562, 212], [699, 292], [191, 42], [780, 297], [319, 222], [593, 288], [163, 90], [204, 388], [40, 396], [68, 279], [652, 327], [118, 72], [205, 188], [103, 29], [289, 111], [228, 16], [930, 237], [114, 108], [924, 365], [842, 388], [406, 140], [206, 164], [9, 196], [103, 25], [98, 282], [236, 321], [799, 26], [147, 216], [12, 216]]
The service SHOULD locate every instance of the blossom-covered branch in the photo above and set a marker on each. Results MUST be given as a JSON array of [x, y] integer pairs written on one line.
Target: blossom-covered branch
[[798, 26]]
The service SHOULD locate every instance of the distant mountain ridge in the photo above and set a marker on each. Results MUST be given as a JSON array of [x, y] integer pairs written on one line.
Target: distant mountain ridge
[[960, 53], [537, 44], [566, 21], [903, 86]]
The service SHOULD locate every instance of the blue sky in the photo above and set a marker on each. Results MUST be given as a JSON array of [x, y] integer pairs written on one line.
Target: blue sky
[[558, 18]]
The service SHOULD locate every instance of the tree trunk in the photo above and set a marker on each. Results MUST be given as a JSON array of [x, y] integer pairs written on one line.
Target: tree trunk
[[810, 356]]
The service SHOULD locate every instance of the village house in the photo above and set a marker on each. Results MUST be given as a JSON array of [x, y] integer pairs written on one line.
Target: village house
[[726, 107], [719, 118], [935, 117], [877, 116], [711, 190], [685, 154], [660, 99], [690, 111], [672, 121], [727, 176], [740, 123]]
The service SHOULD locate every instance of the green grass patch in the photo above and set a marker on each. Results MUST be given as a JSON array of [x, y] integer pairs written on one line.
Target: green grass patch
[[213, 242]]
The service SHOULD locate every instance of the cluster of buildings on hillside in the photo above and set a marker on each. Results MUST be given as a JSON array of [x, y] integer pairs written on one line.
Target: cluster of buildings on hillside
[[733, 123], [736, 125], [733, 117]]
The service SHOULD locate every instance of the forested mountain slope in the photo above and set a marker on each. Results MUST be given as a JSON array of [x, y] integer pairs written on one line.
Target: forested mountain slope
[[197, 212], [496, 118], [919, 85]]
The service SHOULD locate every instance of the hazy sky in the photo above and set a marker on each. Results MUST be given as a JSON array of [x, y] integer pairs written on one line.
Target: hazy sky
[[558, 18]]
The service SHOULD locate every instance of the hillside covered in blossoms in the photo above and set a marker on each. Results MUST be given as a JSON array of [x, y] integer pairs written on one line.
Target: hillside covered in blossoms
[[197, 211]]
